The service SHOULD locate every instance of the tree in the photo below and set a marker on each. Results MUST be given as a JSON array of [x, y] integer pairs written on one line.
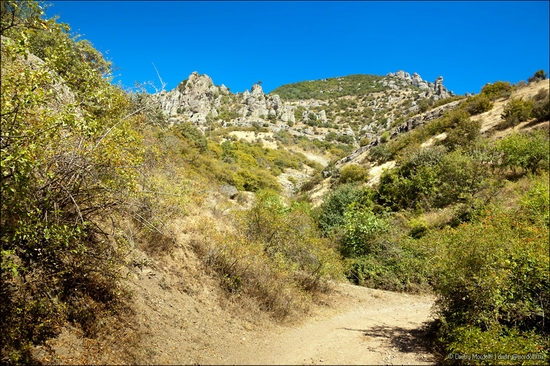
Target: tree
[[69, 150], [539, 75]]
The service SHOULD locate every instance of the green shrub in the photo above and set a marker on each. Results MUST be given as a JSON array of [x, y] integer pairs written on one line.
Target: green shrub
[[385, 137], [414, 183], [431, 178], [418, 228], [501, 345], [394, 262], [298, 114], [193, 135], [380, 153], [541, 107], [450, 119], [515, 112], [478, 104], [425, 104], [527, 151], [463, 135], [539, 75], [460, 177], [359, 229], [274, 256], [70, 146], [353, 173], [332, 210], [499, 89], [364, 141], [310, 184], [345, 139], [492, 282]]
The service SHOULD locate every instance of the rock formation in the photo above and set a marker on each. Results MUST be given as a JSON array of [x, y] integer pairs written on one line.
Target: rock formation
[[434, 90], [199, 101], [194, 98]]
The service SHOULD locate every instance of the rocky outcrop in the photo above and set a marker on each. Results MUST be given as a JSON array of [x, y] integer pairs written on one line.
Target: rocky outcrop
[[194, 98], [229, 191], [423, 118], [201, 102], [435, 90], [409, 125]]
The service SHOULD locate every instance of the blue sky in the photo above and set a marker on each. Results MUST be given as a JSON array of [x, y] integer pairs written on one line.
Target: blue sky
[[278, 42]]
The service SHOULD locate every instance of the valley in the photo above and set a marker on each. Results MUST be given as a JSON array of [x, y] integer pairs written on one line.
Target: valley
[[360, 219]]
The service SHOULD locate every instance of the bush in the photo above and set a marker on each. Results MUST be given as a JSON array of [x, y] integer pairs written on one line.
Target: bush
[[332, 210], [310, 184], [460, 177], [425, 104], [353, 173], [499, 89], [541, 107], [527, 151], [69, 152], [364, 141], [385, 137], [380, 154], [275, 256], [431, 178], [492, 282], [193, 135], [478, 104], [360, 228], [515, 112], [463, 135], [391, 261], [539, 75]]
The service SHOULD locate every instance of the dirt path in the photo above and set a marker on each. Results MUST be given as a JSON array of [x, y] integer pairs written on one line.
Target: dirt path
[[380, 328], [182, 320]]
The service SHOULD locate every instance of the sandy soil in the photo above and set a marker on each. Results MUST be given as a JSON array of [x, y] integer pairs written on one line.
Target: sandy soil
[[264, 137], [380, 327]]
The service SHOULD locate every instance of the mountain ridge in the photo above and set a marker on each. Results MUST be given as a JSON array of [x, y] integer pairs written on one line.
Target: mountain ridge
[[348, 108]]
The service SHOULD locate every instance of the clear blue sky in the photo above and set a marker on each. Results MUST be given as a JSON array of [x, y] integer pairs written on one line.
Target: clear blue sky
[[239, 43]]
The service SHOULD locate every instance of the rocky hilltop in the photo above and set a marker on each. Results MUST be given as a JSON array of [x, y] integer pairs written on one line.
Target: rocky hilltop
[[435, 90], [349, 109]]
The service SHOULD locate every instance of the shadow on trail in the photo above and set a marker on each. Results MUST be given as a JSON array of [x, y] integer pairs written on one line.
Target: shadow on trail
[[416, 340]]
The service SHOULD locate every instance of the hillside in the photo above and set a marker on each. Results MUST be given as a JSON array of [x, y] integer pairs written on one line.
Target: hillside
[[200, 226], [346, 109]]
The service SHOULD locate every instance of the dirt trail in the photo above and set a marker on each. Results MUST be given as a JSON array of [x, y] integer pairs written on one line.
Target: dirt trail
[[380, 328], [181, 316]]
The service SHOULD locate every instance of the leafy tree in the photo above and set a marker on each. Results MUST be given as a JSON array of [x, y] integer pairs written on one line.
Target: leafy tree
[[539, 75], [478, 104], [69, 150], [541, 107], [463, 134], [331, 215], [492, 283], [380, 153]]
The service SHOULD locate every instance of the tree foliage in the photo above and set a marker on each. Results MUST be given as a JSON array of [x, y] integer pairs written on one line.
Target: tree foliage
[[68, 158]]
